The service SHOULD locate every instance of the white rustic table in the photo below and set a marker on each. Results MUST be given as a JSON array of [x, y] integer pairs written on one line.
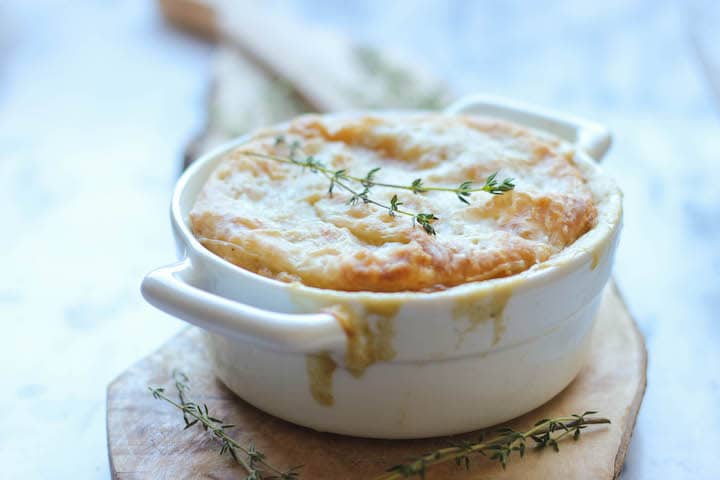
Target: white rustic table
[[98, 98]]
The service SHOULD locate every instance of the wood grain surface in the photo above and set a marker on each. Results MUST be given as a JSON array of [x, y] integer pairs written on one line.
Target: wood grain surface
[[146, 437]]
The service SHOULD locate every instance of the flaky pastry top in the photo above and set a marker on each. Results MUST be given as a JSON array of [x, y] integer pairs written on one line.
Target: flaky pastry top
[[278, 219]]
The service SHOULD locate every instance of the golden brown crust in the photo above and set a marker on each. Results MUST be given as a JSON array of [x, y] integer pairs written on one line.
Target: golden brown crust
[[279, 221]]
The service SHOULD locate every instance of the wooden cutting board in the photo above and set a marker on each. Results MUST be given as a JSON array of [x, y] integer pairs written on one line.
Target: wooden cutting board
[[146, 439]]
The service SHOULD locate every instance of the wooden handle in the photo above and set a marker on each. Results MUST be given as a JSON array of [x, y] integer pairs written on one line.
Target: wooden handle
[[195, 16], [279, 45], [313, 61]]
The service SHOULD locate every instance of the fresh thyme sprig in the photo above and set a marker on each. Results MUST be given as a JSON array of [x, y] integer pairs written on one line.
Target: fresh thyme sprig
[[341, 178], [250, 458], [465, 189], [546, 432]]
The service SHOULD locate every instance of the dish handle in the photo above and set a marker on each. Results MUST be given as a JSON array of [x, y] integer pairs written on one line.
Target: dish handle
[[169, 289], [590, 137]]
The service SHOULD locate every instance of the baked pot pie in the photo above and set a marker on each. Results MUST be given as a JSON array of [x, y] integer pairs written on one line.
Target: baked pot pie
[[337, 311]]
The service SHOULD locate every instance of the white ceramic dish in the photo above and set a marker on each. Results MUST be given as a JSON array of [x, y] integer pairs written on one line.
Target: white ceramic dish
[[449, 374]]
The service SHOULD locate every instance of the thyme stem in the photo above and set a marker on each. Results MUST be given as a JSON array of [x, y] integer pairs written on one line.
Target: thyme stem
[[341, 178], [255, 465], [488, 187], [499, 448]]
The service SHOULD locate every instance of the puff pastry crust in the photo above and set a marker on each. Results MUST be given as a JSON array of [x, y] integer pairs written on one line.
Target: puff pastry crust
[[279, 221]]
